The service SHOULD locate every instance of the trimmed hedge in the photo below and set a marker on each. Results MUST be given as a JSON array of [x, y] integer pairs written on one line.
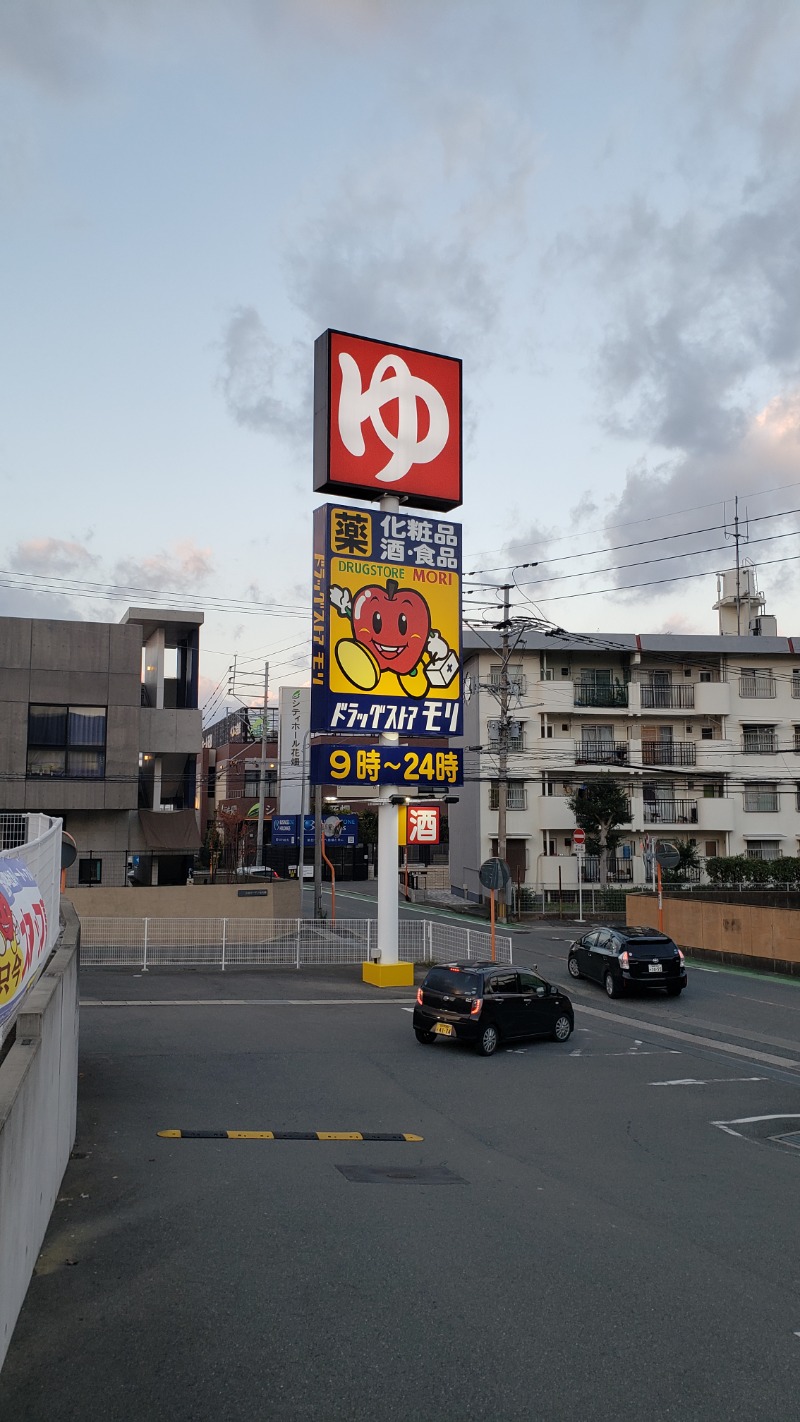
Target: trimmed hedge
[[754, 873]]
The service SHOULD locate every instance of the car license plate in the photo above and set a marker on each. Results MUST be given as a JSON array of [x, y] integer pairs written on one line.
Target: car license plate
[[655, 968], [443, 1029]]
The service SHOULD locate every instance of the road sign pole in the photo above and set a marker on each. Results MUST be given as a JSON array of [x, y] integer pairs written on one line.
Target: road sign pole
[[660, 900], [491, 918], [580, 887]]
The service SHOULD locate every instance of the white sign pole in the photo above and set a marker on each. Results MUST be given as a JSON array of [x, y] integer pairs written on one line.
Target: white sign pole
[[580, 885]]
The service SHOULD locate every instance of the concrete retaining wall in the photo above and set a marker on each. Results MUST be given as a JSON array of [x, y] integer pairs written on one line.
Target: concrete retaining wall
[[744, 934], [38, 1104], [190, 901]]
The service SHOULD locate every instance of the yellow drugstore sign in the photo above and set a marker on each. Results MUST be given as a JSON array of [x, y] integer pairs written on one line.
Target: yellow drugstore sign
[[386, 639]]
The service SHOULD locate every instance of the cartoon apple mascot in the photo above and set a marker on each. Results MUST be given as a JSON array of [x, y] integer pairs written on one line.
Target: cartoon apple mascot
[[391, 633], [10, 952]]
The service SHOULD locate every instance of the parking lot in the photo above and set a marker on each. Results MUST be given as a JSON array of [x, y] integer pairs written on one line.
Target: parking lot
[[595, 1229]]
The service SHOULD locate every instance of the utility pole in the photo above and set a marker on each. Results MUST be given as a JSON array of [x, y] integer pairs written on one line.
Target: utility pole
[[318, 851], [262, 777], [738, 593], [502, 765]]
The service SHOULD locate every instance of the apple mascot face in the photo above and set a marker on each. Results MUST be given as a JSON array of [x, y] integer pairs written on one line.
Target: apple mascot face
[[10, 955], [393, 625]]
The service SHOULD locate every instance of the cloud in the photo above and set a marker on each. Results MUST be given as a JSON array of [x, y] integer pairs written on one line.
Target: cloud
[[184, 567], [50, 555], [253, 369]]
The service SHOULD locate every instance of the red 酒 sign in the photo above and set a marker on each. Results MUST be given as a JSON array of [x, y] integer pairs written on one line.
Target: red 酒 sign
[[422, 824], [387, 420]]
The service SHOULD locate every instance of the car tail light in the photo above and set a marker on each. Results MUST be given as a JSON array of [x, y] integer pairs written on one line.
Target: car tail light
[[476, 1007], [419, 996], [681, 957], [624, 959]]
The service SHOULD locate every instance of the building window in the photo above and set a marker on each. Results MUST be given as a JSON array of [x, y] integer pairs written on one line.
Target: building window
[[711, 849], [761, 797], [756, 681], [759, 740], [515, 799], [516, 681], [796, 682], [713, 790], [90, 871], [707, 733], [797, 740], [67, 742], [763, 849]]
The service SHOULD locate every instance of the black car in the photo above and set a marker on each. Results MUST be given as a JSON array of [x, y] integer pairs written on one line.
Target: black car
[[487, 1004], [622, 957]]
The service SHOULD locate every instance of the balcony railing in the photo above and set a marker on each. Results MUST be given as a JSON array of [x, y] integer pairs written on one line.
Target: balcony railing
[[757, 686], [667, 698], [670, 812], [601, 752], [759, 743], [592, 694], [668, 753]]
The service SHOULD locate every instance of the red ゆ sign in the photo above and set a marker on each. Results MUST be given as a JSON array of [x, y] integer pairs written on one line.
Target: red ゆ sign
[[387, 420]]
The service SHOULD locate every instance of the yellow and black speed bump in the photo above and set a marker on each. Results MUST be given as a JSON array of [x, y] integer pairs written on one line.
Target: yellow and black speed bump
[[287, 1136]]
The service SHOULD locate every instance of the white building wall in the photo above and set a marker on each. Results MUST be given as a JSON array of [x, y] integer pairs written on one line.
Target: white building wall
[[688, 750]]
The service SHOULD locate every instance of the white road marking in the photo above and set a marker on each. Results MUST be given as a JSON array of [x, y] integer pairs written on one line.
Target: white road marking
[[692, 1081], [245, 1002], [407, 1009], [753, 1120], [728, 1047]]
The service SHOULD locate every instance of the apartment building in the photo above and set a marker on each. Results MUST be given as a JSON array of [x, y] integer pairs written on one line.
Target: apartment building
[[99, 725], [702, 733], [230, 771]]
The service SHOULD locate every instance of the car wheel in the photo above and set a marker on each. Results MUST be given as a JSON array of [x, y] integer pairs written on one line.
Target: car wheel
[[572, 966], [424, 1037], [674, 990], [488, 1041], [613, 988], [562, 1029]]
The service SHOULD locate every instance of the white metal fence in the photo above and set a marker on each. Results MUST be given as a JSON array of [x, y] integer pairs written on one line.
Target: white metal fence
[[273, 942]]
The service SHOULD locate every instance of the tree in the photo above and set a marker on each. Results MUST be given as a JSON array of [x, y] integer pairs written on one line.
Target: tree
[[368, 822], [600, 808]]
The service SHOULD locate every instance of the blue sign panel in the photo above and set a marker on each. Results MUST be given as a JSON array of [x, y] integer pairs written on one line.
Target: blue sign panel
[[386, 765], [338, 829]]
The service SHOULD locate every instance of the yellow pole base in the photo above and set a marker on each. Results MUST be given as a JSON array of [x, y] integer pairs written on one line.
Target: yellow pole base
[[384, 975]]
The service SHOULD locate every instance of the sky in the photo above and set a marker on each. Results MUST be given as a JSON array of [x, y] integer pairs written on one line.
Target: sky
[[595, 205]]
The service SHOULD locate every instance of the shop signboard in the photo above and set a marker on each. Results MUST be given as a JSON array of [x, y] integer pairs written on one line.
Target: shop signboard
[[387, 420], [415, 766], [338, 829], [386, 632], [419, 824]]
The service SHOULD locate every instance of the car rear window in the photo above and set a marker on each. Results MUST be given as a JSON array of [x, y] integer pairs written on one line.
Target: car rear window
[[454, 983], [657, 944]]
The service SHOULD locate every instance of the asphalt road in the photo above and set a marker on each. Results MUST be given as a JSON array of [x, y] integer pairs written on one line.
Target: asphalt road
[[604, 1239]]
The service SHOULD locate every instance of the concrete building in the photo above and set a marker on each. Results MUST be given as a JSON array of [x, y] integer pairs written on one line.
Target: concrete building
[[99, 725], [229, 781], [702, 733]]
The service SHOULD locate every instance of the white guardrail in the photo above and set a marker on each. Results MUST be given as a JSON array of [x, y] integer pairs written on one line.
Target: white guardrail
[[30, 883], [288, 942]]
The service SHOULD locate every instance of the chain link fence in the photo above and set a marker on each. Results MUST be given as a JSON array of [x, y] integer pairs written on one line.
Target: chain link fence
[[294, 942]]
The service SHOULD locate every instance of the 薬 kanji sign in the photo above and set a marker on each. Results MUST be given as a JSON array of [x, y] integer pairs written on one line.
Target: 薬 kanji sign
[[386, 632], [387, 420], [386, 765]]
